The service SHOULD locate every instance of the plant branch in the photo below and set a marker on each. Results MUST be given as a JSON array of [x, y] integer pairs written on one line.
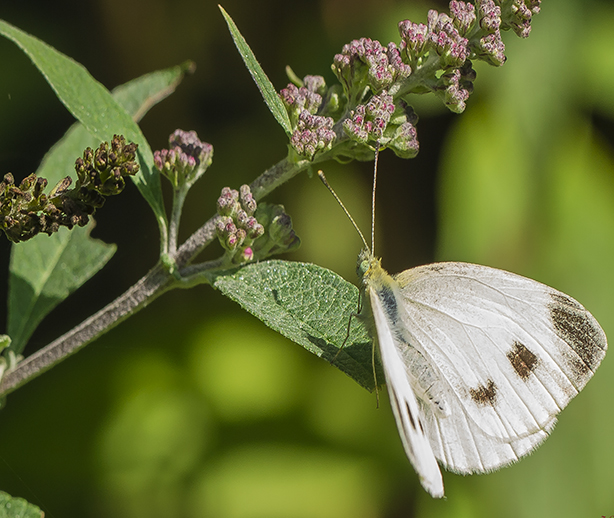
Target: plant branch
[[152, 285], [446, 71], [156, 282]]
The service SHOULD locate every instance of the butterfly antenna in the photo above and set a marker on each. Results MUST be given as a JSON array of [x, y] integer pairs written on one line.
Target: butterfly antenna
[[325, 182], [373, 199]]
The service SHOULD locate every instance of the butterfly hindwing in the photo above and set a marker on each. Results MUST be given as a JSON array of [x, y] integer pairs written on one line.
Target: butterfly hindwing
[[463, 447]]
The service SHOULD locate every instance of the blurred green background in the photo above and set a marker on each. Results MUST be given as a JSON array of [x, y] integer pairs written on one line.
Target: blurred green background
[[193, 409]]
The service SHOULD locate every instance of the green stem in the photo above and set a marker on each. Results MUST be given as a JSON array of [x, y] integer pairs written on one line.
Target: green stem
[[179, 196], [420, 79], [155, 283]]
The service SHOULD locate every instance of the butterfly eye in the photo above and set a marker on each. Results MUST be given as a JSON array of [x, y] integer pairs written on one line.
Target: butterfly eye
[[362, 267]]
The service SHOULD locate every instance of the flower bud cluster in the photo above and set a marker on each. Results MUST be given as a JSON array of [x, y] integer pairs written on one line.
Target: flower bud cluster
[[237, 228], [379, 123], [486, 42], [368, 121], [455, 87], [517, 14], [442, 41], [311, 133], [469, 32], [25, 210], [367, 62], [186, 159], [304, 98], [104, 170], [446, 39], [250, 232], [435, 57]]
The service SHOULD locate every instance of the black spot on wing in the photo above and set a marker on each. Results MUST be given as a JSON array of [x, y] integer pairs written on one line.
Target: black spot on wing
[[523, 360], [484, 395], [578, 328]]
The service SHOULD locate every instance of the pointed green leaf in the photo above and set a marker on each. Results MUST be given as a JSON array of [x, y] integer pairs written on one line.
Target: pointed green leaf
[[269, 94], [141, 94], [136, 96], [311, 306], [43, 276], [92, 104], [11, 507], [28, 293]]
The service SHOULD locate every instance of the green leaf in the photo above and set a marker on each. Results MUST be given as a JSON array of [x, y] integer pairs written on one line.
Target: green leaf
[[269, 94], [11, 507], [141, 94], [92, 104], [311, 306], [27, 284], [136, 96], [43, 276]]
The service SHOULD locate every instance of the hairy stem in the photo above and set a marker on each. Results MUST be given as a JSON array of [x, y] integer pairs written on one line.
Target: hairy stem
[[151, 286]]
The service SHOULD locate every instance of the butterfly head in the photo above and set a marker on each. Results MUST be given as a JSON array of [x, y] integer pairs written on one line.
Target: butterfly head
[[367, 265]]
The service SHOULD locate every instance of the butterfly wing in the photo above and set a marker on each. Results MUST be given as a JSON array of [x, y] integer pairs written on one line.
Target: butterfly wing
[[403, 401], [494, 357]]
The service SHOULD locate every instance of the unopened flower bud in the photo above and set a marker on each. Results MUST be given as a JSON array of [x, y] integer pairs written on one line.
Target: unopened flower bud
[[61, 187], [222, 225], [247, 200], [241, 218], [231, 241], [246, 254], [405, 141], [253, 228], [228, 202]]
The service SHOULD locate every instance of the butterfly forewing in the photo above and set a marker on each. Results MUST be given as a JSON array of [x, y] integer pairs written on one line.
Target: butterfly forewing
[[402, 398], [493, 358]]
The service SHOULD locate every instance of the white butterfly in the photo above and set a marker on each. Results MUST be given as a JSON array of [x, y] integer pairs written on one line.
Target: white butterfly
[[478, 361]]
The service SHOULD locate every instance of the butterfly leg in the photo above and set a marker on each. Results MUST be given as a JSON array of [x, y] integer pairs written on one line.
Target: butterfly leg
[[347, 335]]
